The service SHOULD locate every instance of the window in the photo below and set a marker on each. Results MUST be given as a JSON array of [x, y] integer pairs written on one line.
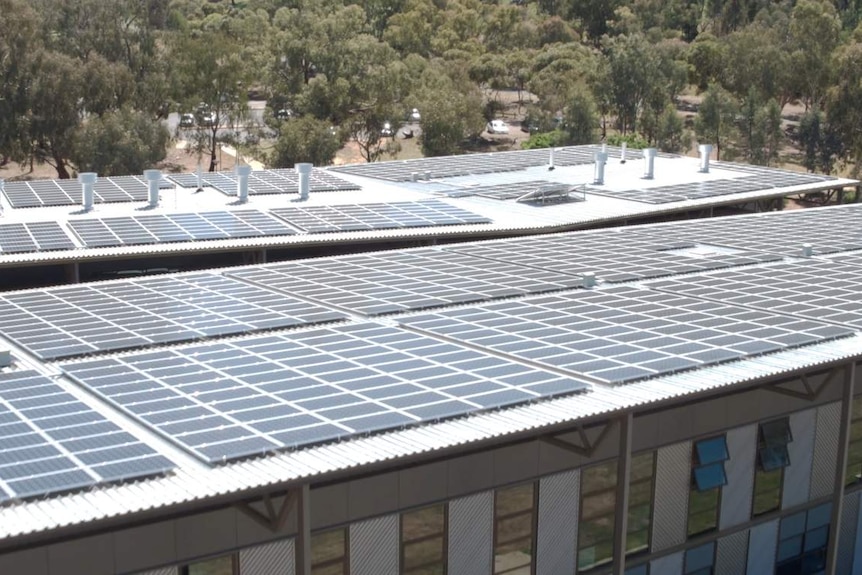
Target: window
[[598, 508], [225, 565], [329, 553], [802, 540], [854, 447], [707, 477], [423, 541], [772, 457], [700, 560], [642, 569], [514, 521]]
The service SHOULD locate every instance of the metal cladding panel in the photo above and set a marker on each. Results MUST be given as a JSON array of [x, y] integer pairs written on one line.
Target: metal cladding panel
[[672, 482], [797, 476], [732, 553], [761, 547], [825, 450], [471, 534], [273, 559], [164, 571], [736, 495], [374, 546], [557, 535], [667, 565], [847, 533], [857, 540]]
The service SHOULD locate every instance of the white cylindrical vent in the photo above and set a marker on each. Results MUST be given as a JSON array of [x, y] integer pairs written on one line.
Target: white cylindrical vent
[[601, 159], [153, 178], [414, 176], [624, 147], [242, 173], [87, 181], [5, 357], [427, 176], [705, 150], [551, 159], [589, 280], [649, 162], [807, 250], [200, 175], [304, 171]]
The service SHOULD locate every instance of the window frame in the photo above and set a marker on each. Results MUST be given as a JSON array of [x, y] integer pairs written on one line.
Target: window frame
[[707, 570], [802, 536], [442, 535], [853, 469], [533, 512], [344, 560], [696, 490]]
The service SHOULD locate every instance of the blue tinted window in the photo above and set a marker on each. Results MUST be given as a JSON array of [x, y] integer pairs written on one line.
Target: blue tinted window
[[639, 570], [711, 450], [792, 525], [816, 539], [710, 476], [772, 458], [776, 432], [819, 516], [699, 558], [789, 548]]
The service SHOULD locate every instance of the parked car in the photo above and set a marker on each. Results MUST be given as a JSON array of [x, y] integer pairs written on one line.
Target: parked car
[[387, 130], [284, 114], [497, 127], [204, 115], [415, 116], [187, 121]]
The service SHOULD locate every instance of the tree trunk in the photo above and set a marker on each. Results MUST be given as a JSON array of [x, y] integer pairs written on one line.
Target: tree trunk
[[62, 172]]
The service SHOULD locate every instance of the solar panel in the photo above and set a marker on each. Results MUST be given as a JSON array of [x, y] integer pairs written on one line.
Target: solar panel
[[352, 217], [622, 334], [817, 289], [52, 442], [613, 255], [38, 193], [508, 191], [33, 237], [87, 319], [688, 191], [150, 229], [235, 399], [379, 283], [263, 182]]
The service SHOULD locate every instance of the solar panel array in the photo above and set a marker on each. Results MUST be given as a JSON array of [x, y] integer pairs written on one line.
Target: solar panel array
[[613, 255], [86, 319], [262, 182], [33, 237], [39, 193], [356, 217], [621, 334], [828, 230], [775, 173], [508, 191], [388, 282], [53, 442], [816, 289], [150, 229], [228, 400]]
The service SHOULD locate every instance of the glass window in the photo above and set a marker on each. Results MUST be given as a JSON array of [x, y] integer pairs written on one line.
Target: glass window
[[854, 447], [767, 491], [514, 521], [218, 566], [423, 541], [699, 560], [710, 476], [772, 439], [641, 489], [642, 569], [702, 511], [329, 553], [711, 450], [707, 478], [802, 541]]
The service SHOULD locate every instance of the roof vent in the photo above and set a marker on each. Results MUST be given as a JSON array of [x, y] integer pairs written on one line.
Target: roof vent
[[589, 280], [87, 181], [5, 357], [649, 163], [153, 178], [601, 158], [624, 147], [807, 250], [551, 160], [304, 171], [705, 150], [242, 173]]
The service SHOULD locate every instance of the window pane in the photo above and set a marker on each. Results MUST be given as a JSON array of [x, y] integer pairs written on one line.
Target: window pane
[[776, 432], [513, 560], [514, 499], [592, 532], [710, 476], [819, 516], [789, 548], [423, 552], [637, 540], [596, 505], [423, 522], [639, 570], [699, 557], [218, 566], [816, 539], [711, 450], [702, 511], [599, 477], [767, 491], [589, 557], [792, 525], [640, 492], [642, 466], [857, 407], [429, 570], [327, 546], [639, 517], [772, 458], [517, 527], [334, 569]]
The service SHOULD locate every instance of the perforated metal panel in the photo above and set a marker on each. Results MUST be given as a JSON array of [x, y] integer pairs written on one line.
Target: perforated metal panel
[[761, 548], [471, 534], [732, 553], [374, 546], [273, 559], [857, 544], [736, 495], [672, 477], [557, 535], [164, 571], [797, 476], [825, 450], [847, 533], [667, 565]]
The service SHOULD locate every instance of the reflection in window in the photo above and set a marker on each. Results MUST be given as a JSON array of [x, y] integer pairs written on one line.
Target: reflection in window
[[802, 540], [772, 457], [700, 560], [514, 521], [423, 541], [329, 553], [707, 478], [219, 566]]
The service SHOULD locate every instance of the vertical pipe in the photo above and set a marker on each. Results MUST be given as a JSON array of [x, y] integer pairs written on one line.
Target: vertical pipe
[[649, 163], [242, 173], [303, 531], [840, 468], [705, 150], [153, 178], [601, 159], [200, 176], [551, 159], [624, 147], [621, 510], [304, 171], [87, 180]]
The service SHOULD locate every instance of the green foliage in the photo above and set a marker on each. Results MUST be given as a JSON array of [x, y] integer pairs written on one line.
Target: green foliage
[[306, 139], [821, 146], [767, 136], [671, 135], [545, 140], [118, 143], [633, 141], [581, 120], [714, 121]]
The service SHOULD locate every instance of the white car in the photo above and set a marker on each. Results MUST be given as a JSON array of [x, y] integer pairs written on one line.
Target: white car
[[497, 127], [415, 116]]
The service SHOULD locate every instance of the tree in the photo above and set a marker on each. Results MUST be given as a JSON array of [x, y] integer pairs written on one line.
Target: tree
[[671, 135], [118, 143], [306, 139], [581, 120], [814, 29], [714, 121], [19, 55], [451, 112], [767, 136], [821, 146]]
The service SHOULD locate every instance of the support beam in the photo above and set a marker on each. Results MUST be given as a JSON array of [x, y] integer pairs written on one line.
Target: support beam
[[73, 273], [587, 447], [840, 467], [270, 518], [303, 531], [621, 523]]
